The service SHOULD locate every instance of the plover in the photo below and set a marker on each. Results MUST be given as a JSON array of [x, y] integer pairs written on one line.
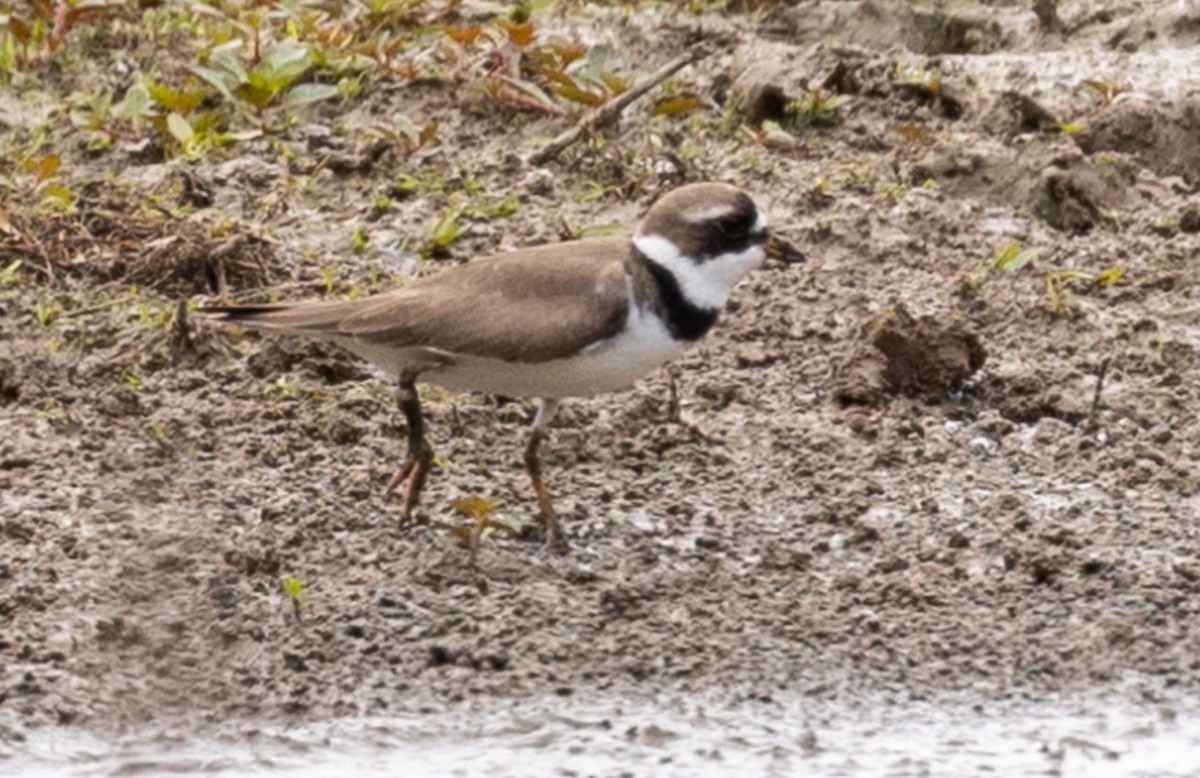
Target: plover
[[563, 320]]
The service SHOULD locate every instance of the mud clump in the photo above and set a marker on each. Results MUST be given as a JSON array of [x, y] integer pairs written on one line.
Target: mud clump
[[10, 382], [900, 354], [1074, 196], [1189, 221], [1160, 135]]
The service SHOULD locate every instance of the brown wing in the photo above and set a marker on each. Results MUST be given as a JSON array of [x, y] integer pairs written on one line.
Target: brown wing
[[533, 305]]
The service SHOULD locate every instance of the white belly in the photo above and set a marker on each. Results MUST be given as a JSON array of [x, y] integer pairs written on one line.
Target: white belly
[[606, 366], [613, 364]]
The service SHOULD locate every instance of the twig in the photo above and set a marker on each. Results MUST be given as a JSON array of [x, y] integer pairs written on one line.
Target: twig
[[608, 113], [1100, 373]]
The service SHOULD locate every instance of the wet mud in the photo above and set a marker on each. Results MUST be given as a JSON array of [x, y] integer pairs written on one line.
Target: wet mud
[[897, 469]]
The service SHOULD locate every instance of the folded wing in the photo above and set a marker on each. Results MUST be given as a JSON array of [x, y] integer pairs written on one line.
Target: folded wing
[[532, 306]]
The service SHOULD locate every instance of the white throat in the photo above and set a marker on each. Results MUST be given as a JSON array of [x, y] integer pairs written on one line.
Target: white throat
[[704, 284]]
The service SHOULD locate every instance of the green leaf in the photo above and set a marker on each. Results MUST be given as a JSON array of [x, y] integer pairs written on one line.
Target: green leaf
[[303, 94], [280, 66], [531, 90], [83, 118], [255, 94], [405, 126], [8, 276], [1012, 258], [227, 56], [58, 196], [447, 229], [222, 81], [180, 129], [293, 588], [179, 101], [136, 103]]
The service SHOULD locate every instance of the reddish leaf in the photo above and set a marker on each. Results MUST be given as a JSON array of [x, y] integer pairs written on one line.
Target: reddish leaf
[[520, 34], [19, 29], [913, 131], [428, 133], [44, 9], [464, 35]]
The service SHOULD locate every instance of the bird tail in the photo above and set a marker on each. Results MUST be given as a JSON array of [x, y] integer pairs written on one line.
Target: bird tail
[[321, 318]]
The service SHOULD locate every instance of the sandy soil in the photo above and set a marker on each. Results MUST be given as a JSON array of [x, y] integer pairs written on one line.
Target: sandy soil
[[850, 507]]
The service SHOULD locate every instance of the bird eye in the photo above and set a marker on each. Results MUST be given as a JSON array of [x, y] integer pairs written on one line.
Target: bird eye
[[732, 226]]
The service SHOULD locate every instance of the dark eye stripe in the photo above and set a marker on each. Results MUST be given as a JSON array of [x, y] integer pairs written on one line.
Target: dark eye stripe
[[737, 224]]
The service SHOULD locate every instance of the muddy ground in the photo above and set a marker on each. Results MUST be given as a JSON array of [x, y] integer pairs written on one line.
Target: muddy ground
[[819, 522]]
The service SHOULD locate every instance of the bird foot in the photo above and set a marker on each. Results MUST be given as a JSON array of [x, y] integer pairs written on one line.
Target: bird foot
[[412, 473], [555, 539]]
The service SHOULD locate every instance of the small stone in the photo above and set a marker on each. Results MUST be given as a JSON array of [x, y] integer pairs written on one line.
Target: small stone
[[983, 445], [780, 140], [1189, 221], [754, 355]]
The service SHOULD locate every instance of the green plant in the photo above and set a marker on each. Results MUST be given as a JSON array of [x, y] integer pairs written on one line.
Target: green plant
[[46, 313], [1059, 296], [1107, 91], [920, 79], [294, 590], [1011, 258], [1061, 299], [407, 136], [481, 511], [816, 108], [284, 386], [8, 275], [36, 35], [270, 81], [445, 231], [1008, 259]]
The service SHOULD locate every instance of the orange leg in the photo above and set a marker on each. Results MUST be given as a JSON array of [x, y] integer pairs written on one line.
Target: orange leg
[[420, 455], [555, 538]]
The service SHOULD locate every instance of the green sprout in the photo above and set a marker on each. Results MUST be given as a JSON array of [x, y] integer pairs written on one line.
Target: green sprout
[[817, 108], [8, 275], [293, 588], [1061, 300], [445, 231], [1008, 259]]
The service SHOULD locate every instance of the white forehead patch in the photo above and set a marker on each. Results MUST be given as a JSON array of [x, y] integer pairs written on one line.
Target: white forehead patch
[[763, 221], [708, 213]]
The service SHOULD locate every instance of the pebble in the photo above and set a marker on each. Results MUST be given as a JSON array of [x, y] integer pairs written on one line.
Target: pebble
[[983, 445]]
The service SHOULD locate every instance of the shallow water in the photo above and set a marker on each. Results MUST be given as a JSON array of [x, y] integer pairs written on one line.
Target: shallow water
[[1080, 737]]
